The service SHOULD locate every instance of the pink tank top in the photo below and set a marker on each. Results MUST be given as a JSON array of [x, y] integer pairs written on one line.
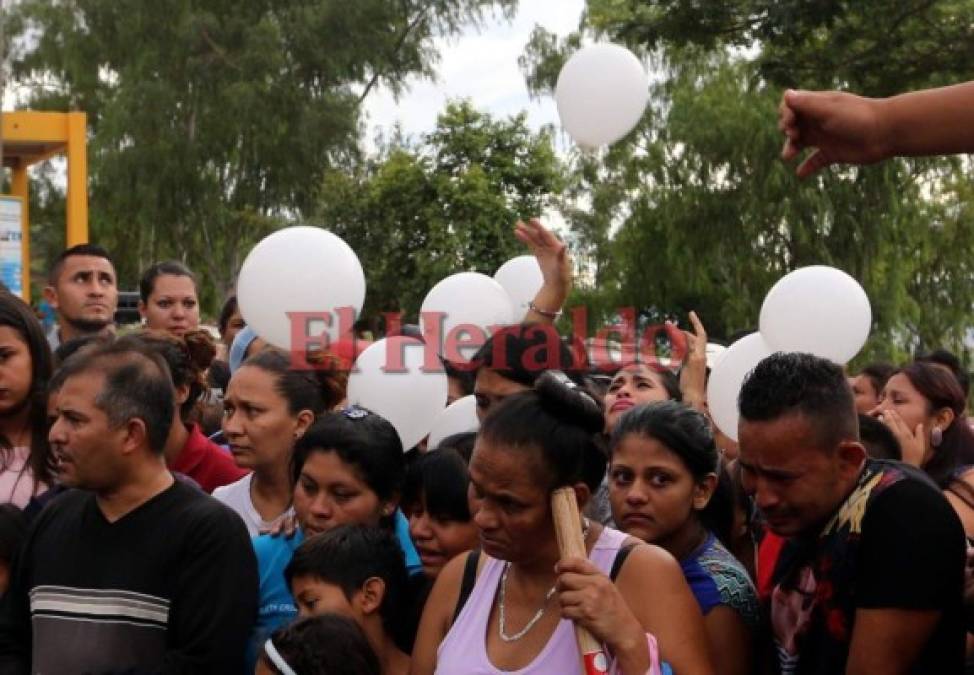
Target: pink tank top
[[464, 649], [17, 484]]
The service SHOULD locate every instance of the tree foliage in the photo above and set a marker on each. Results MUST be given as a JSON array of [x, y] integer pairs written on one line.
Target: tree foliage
[[878, 47], [693, 210], [445, 203], [213, 122]]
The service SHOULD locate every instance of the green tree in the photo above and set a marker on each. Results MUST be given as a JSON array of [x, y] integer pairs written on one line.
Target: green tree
[[874, 46], [446, 203], [693, 210], [214, 122]]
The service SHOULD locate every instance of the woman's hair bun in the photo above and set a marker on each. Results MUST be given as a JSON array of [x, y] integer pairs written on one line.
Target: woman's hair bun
[[200, 347], [569, 402]]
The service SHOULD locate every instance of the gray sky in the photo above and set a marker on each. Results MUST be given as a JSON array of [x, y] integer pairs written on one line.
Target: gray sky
[[480, 65]]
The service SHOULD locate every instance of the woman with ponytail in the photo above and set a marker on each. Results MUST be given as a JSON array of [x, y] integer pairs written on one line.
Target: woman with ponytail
[[511, 606], [187, 450], [268, 406], [664, 474]]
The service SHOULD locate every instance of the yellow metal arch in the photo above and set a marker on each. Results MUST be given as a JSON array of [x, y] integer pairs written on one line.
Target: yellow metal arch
[[30, 137]]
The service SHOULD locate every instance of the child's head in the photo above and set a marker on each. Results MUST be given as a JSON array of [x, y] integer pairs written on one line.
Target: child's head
[[329, 644], [353, 570], [13, 527], [435, 501]]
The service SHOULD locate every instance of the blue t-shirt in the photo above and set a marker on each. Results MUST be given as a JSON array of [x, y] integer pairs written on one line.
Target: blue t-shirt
[[717, 578], [413, 564], [275, 606]]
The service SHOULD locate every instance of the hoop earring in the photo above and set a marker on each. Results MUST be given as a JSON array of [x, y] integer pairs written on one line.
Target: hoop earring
[[936, 437]]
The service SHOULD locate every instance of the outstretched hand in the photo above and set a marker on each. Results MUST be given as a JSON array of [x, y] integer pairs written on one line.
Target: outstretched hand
[[551, 252], [841, 127], [556, 269], [693, 374]]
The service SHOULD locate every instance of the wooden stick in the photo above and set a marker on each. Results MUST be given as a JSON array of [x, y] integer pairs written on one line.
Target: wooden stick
[[568, 530]]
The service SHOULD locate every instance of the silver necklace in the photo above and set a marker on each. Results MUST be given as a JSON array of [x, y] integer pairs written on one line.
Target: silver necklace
[[501, 627]]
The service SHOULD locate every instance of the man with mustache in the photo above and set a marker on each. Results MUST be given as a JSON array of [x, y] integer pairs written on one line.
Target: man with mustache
[[131, 571], [869, 579], [82, 288]]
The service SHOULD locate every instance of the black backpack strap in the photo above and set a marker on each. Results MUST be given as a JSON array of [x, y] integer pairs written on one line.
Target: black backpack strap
[[468, 581], [620, 558]]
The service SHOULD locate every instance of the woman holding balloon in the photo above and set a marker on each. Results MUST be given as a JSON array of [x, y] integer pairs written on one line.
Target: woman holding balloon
[[498, 611]]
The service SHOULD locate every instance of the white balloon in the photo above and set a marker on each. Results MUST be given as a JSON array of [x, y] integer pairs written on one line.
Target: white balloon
[[602, 92], [388, 379], [819, 310], [727, 377], [459, 416], [299, 269], [466, 299], [714, 353], [521, 278]]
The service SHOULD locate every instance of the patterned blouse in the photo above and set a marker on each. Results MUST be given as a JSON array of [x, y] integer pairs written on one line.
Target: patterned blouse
[[717, 578]]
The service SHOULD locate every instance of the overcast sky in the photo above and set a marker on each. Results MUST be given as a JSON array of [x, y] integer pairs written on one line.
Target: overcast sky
[[480, 65]]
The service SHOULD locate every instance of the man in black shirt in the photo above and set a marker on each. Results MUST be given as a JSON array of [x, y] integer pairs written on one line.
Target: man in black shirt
[[870, 578], [134, 572]]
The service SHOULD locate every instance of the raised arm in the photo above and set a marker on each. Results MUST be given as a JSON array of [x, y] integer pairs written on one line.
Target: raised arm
[[556, 269], [693, 374], [848, 129]]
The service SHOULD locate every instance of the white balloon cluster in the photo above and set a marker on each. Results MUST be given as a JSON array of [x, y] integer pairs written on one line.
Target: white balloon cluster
[[819, 310]]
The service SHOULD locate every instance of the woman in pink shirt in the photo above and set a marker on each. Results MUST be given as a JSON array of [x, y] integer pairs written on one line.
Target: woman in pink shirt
[[26, 463]]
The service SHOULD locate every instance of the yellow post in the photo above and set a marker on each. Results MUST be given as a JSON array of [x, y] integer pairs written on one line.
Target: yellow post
[[20, 187], [30, 137], [77, 206]]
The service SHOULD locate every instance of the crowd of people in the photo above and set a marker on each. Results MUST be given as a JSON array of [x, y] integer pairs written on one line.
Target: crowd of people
[[175, 505]]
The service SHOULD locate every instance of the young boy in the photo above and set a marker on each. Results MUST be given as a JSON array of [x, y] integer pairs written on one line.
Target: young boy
[[358, 572]]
